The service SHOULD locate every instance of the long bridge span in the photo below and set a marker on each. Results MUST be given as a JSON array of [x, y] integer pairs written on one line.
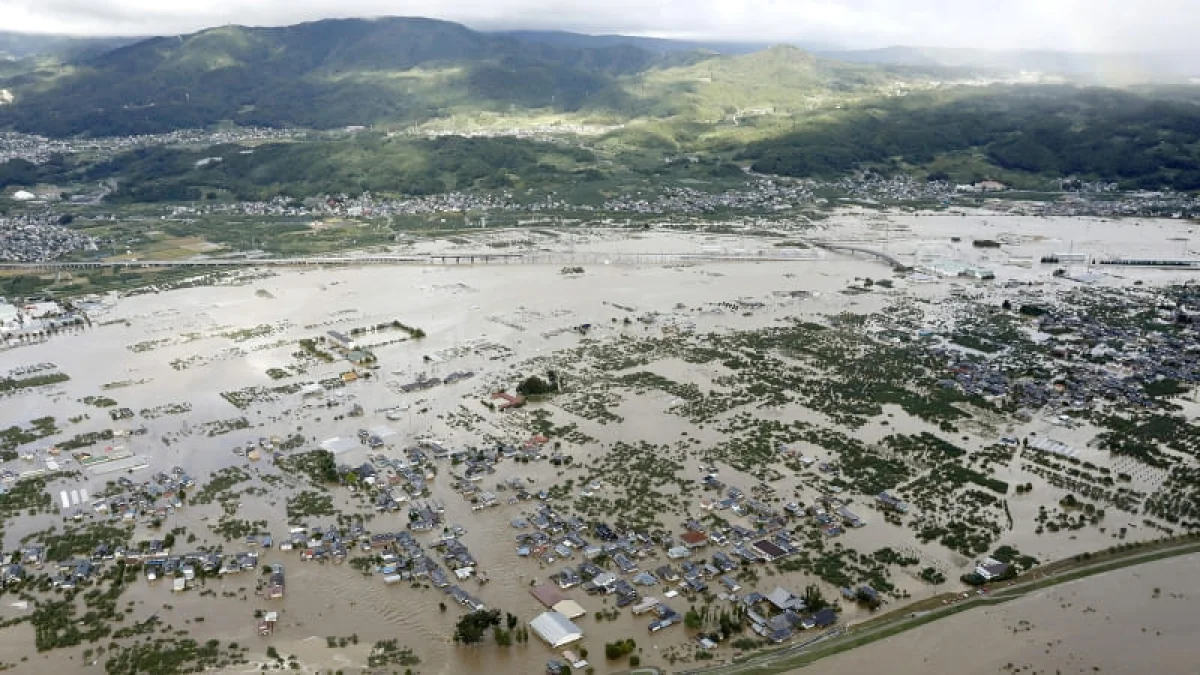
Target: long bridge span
[[456, 258], [861, 250]]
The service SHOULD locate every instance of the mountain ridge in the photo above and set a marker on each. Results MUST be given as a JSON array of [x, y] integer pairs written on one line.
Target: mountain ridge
[[18, 45], [1085, 67], [340, 72], [290, 76]]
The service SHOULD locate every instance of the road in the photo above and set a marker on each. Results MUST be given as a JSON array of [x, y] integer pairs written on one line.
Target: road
[[797, 656], [848, 248]]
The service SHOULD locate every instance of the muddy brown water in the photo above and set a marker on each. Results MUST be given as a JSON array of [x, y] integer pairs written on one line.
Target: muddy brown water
[[524, 308]]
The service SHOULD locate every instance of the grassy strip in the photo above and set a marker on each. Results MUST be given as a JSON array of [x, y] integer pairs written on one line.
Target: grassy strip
[[786, 663], [866, 634], [1091, 570]]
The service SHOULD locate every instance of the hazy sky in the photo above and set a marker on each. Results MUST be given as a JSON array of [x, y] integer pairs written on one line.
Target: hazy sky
[[1091, 25]]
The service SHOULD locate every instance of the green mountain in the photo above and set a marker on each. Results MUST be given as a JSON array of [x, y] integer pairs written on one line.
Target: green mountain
[[659, 45], [1106, 68], [615, 109], [1021, 133], [63, 47], [322, 74], [335, 73]]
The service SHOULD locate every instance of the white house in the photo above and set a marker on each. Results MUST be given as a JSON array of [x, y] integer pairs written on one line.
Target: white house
[[990, 568]]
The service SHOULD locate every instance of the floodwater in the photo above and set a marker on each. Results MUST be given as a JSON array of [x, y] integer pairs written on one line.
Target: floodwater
[[189, 351], [1111, 623]]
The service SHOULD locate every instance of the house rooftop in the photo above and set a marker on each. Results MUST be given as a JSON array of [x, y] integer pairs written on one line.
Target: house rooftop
[[547, 594], [769, 549], [556, 629]]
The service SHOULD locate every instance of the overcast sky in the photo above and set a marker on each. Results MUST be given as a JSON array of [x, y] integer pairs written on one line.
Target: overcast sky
[[1078, 25]]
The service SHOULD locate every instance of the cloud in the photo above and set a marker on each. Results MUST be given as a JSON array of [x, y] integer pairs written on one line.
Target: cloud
[[1091, 25]]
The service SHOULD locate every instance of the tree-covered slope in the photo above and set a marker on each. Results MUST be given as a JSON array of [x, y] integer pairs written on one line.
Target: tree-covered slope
[[336, 73], [1047, 131], [363, 163], [321, 74]]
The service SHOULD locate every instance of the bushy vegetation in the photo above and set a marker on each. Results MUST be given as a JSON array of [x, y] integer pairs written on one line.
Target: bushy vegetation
[[309, 503], [471, 628], [1091, 133], [9, 384], [14, 436], [318, 465], [221, 482], [171, 656], [1143, 436], [25, 495], [618, 649], [365, 163], [389, 652], [537, 386]]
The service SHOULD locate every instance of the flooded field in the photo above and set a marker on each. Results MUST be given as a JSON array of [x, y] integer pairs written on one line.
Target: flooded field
[[658, 400]]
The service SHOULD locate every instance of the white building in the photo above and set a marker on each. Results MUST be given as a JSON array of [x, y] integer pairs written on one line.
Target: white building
[[990, 568], [8, 314], [570, 609], [556, 629]]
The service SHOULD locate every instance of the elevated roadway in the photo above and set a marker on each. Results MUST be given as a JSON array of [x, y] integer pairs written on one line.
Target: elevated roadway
[[860, 250], [465, 258]]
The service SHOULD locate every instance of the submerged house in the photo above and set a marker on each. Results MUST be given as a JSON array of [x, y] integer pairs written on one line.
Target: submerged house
[[275, 583], [890, 502], [555, 629]]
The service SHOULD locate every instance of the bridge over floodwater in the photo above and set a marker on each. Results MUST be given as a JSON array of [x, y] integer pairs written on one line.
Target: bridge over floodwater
[[464, 258]]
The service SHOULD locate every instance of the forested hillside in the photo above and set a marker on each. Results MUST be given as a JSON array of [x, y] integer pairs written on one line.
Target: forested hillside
[[1050, 131], [324, 74], [616, 108]]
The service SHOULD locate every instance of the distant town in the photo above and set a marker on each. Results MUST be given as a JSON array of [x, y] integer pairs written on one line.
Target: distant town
[[40, 225]]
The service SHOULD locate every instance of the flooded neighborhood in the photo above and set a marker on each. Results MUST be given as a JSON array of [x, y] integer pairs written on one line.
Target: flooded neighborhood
[[605, 450]]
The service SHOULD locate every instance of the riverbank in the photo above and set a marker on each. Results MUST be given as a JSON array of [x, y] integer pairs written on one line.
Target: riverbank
[[873, 634]]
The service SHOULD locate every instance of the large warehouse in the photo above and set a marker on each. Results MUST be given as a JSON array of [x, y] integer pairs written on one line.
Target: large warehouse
[[556, 629]]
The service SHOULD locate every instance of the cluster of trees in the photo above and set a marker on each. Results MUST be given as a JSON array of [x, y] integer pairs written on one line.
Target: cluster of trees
[[1143, 437], [933, 576], [324, 466], [20, 285], [1011, 556], [726, 623], [536, 386], [365, 163], [8, 384], [472, 627], [1097, 134], [173, 655], [18, 171], [814, 600], [619, 649]]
